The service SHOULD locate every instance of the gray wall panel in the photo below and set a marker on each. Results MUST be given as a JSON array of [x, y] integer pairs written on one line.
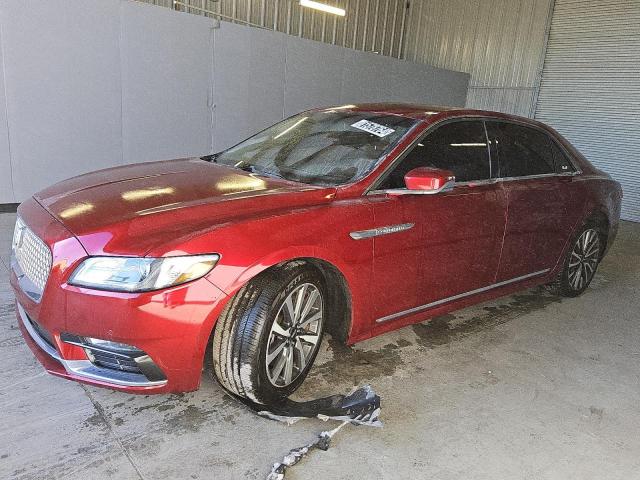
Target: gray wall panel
[[313, 75], [248, 81], [413, 82], [166, 83], [365, 77], [63, 88], [6, 184], [265, 73], [448, 89]]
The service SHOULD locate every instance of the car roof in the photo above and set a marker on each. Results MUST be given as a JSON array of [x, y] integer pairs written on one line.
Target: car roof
[[428, 112]]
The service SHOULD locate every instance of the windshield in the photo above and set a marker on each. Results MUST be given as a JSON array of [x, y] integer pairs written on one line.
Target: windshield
[[321, 148]]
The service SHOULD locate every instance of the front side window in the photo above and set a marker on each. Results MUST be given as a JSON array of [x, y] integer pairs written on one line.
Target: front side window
[[460, 147], [328, 147], [522, 151]]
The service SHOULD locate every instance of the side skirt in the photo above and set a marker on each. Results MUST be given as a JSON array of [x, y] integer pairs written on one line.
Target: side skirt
[[461, 295], [451, 306]]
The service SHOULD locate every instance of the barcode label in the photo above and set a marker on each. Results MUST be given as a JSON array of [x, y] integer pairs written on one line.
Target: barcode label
[[373, 128]]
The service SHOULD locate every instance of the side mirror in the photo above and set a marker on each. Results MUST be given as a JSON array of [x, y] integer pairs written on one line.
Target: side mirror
[[429, 180], [425, 181]]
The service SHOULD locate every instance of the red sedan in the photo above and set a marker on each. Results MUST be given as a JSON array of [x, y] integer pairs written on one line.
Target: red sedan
[[352, 220]]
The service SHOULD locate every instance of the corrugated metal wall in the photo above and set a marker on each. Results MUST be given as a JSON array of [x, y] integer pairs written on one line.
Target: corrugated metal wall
[[370, 25], [499, 42], [590, 87]]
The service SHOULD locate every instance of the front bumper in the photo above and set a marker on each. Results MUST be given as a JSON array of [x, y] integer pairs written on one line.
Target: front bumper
[[82, 369], [169, 328]]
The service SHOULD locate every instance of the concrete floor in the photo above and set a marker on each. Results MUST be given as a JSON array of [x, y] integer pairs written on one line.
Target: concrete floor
[[527, 387]]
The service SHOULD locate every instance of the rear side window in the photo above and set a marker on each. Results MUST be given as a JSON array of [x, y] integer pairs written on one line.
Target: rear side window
[[522, 151], [562, 162], [460, 147]]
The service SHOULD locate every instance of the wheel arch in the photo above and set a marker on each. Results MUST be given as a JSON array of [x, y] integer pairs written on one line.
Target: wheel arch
[[340, 305], [339, 308], [600, 218]]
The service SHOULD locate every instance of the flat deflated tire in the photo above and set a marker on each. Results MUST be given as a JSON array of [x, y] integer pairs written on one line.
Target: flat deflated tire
[[268, 335]]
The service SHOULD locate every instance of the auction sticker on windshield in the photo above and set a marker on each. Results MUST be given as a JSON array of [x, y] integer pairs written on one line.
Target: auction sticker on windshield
[[374, 128]]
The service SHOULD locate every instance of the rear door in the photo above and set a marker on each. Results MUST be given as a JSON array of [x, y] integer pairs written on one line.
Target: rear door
[[448, 243], [539, 201]]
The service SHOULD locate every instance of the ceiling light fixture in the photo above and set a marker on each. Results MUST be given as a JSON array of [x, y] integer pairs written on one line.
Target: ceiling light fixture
[[323, 7]]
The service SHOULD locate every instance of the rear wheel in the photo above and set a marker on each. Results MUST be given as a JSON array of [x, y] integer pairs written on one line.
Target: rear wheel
[[269, 334], [581, 262]]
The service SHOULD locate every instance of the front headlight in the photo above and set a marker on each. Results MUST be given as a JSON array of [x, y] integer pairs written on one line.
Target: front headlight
[[130, 274]]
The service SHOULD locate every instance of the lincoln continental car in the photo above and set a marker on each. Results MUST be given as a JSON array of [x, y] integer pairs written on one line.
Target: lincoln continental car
[[349, 221]]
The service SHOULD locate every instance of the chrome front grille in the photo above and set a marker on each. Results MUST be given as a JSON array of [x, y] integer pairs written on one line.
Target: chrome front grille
[[32, 256]]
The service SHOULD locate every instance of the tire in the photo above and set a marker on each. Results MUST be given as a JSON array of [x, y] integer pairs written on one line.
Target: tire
[[581, 262], [258, 321]]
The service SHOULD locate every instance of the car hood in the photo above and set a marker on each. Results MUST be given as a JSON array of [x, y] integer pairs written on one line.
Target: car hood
[[133, 209]]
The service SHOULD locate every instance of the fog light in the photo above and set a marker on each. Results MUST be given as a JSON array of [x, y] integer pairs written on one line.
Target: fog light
[[118, 356]]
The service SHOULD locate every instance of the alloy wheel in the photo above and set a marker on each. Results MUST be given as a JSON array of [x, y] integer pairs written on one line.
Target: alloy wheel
[[295, 335], [584, 259]]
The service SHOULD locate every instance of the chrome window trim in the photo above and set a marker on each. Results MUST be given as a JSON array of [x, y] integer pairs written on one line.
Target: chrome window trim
[[84, 368], [371, 190], [459, 296], [534, 177], [489, 181]]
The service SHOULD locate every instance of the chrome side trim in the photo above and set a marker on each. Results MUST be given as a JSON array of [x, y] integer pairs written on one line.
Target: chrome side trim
[[459, 296], [84, 368], [447, 187], [376, 232]]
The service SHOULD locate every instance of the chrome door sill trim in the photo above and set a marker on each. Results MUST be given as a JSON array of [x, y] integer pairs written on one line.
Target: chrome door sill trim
[[84, 368], [376, 232], [459, 296]]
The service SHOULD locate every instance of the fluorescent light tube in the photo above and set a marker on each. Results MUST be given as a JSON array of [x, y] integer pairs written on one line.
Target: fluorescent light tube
[[323, 7]]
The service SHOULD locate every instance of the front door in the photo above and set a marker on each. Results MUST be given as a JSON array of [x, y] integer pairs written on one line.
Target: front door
[[438, 246]]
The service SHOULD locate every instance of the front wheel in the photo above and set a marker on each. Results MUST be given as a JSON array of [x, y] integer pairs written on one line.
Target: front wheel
[[269, 334], [581, 262]]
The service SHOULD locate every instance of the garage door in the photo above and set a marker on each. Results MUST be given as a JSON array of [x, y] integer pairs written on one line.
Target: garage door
[[590, 90]]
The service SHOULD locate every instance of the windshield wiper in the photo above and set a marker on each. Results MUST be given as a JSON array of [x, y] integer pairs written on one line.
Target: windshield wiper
[[247, 167], [213, 158]]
